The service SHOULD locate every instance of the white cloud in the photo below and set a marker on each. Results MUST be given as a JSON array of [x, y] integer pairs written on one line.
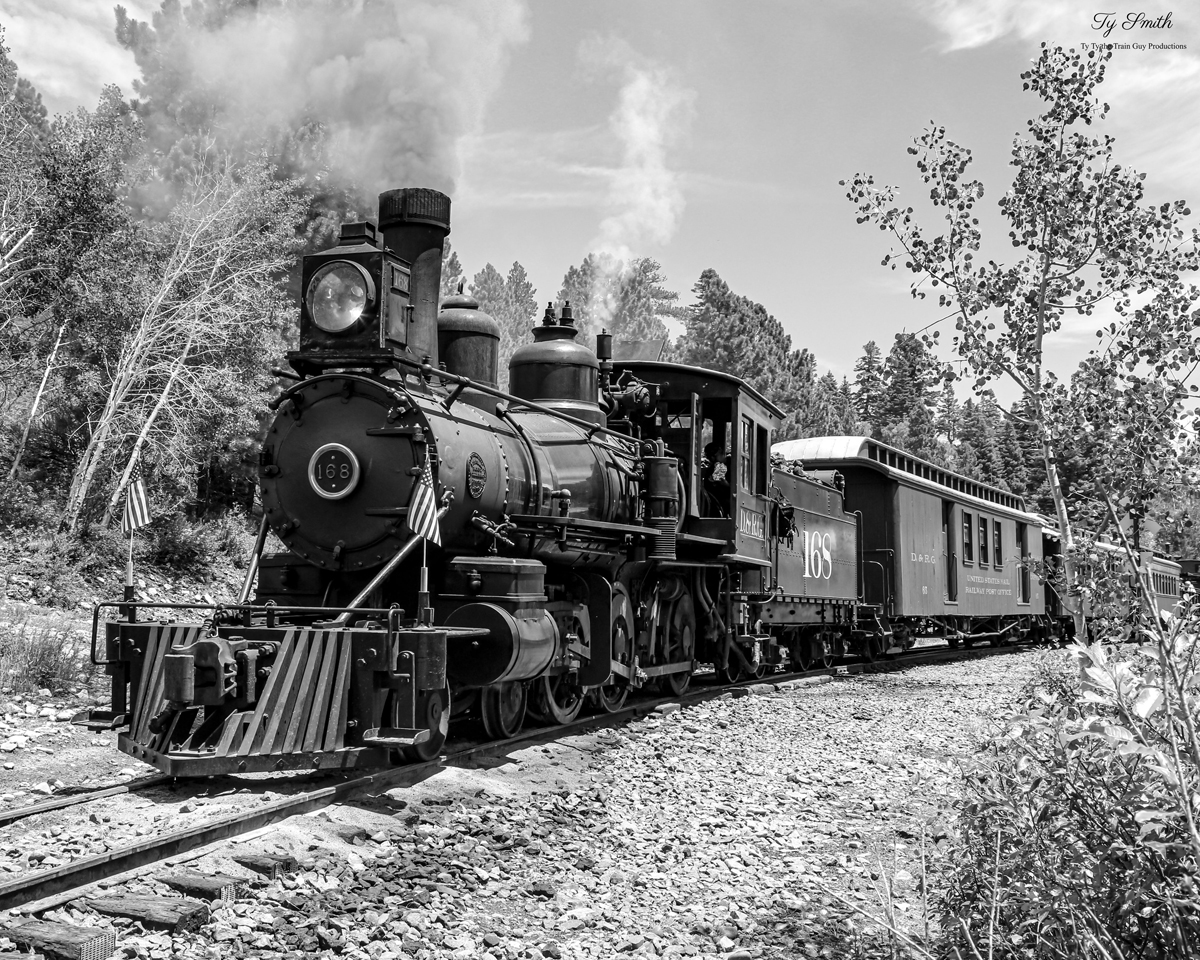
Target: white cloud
[[68, 48], [520, 169], [1153, 93], [973, 23]]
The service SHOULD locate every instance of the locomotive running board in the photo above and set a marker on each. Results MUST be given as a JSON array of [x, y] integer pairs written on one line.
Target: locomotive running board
[[668, 668]]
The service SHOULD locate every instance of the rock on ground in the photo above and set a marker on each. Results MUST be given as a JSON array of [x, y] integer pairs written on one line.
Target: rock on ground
[[724, 829]]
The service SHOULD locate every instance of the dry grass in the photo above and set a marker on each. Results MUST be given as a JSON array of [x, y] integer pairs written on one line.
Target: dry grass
[[40, 651]]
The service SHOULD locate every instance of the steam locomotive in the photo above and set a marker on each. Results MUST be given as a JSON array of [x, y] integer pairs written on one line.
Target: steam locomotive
[[602, 526]]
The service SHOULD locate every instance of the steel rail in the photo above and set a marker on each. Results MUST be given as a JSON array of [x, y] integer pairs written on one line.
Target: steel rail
[[43, 884], [74, 799]]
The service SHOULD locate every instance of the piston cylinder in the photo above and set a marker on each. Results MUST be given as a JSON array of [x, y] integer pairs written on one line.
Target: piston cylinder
[[518, 645]]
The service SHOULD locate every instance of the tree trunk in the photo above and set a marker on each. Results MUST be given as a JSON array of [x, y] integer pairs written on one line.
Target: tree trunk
[[37, 400], [144, 433], [1073, 602], [85, 473]]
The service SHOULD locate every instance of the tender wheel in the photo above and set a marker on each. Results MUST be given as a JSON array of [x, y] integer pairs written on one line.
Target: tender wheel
[[680, 642], [612, 694], [799, 658], [558, 699], [436, 716], [823, 649], [503, 708]]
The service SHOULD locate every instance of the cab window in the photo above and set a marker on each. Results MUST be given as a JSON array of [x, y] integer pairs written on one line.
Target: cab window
[[745, 477]]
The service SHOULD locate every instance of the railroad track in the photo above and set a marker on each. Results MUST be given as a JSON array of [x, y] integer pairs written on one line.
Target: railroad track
[[45, 889]]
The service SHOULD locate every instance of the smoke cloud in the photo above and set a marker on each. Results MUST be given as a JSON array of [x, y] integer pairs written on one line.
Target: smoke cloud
[[645, 197], [394, 85]]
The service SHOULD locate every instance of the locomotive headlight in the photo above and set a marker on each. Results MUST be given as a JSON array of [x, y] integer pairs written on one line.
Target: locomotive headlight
[[338, 293]]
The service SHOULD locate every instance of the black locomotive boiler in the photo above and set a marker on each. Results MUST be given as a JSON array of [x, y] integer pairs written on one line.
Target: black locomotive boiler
[[448, 546]]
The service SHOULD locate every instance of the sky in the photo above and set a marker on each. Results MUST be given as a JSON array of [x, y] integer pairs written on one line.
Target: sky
[[704, 133]]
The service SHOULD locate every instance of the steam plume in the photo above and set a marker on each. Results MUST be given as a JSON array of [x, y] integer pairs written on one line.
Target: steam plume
[[394, 85], [645, 198]]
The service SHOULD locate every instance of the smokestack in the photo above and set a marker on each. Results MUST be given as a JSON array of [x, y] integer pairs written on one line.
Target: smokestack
[[414, 222]]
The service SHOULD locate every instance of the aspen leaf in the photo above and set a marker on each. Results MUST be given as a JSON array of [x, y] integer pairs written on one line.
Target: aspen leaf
[[1148, 701]]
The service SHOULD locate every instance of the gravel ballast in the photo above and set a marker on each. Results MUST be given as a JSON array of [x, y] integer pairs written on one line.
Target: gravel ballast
[[729, 828]]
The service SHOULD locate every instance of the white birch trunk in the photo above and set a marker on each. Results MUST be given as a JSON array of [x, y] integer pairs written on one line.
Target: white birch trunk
[[37, 401]]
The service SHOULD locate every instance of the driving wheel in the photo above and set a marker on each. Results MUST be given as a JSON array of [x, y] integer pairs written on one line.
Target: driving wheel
[[612, 694], [503, 709], [679, 643]]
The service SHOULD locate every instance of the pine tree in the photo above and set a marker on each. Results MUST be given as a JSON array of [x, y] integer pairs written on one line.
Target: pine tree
[[628, 300], [868, 384], [452, 271], [512, 302], [948, 414], [909, 374], [728, 332]]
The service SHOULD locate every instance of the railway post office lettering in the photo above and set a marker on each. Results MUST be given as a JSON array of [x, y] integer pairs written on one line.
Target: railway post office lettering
[[989, 586]]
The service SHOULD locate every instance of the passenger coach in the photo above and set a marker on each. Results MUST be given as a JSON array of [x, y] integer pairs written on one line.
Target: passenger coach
[[943, 555]]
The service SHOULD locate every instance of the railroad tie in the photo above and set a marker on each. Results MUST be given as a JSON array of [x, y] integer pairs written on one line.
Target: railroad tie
[[65, 941], [206, 886], [271, 865], [174, 914]]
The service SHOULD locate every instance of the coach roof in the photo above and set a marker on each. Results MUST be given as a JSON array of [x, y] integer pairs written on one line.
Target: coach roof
[[863, 451]]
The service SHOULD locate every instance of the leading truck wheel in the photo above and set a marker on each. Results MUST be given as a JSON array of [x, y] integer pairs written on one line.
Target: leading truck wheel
[[435, 716], [558, 699], [503, 708]]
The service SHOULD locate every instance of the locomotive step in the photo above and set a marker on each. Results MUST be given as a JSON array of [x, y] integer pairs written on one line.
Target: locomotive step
[[395, 736]]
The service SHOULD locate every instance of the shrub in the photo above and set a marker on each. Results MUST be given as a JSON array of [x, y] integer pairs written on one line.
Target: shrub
[[1055, 673], [192, 546], [1078, 832], [39, 652]]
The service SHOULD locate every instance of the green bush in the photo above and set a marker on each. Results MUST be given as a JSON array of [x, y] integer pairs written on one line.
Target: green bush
[[1078, 834]]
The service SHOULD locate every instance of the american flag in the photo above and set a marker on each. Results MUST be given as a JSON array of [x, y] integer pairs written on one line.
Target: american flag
[[137, 508], [422, 511]]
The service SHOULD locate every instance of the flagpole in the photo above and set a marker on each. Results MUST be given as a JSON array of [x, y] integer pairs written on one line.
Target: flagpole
[[130, 612], [424, 612]]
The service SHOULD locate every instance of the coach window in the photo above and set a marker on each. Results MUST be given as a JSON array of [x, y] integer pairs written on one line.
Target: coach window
[[997, 548], [1023, 550], [968, 533], [983, 541]]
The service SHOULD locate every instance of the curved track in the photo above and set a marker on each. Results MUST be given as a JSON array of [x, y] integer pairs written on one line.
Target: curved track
[[72, 876]]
